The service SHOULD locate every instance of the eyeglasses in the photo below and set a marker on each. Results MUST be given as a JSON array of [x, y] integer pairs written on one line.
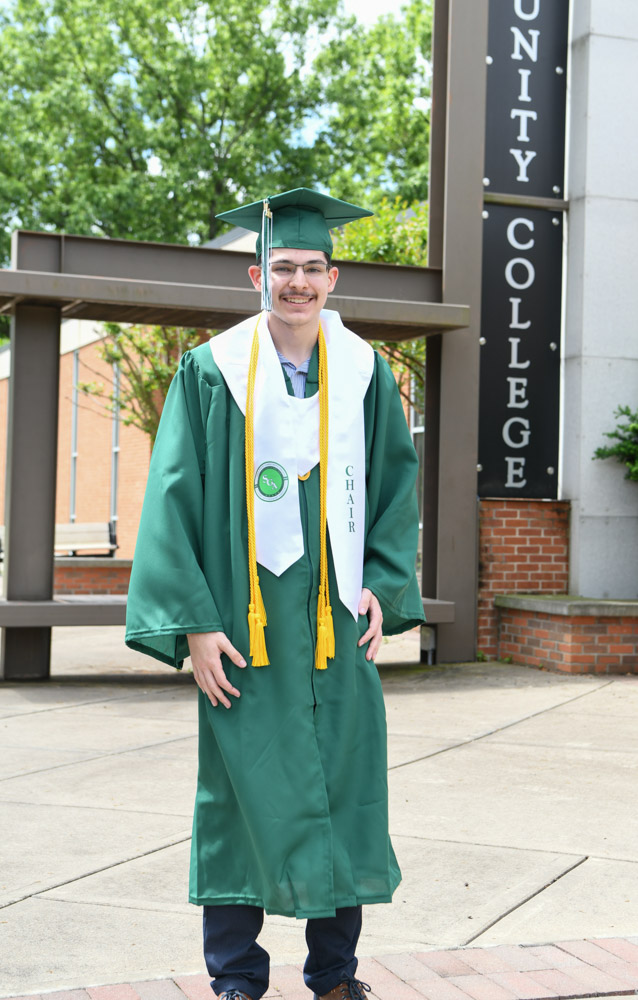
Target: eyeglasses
[[312, 270]]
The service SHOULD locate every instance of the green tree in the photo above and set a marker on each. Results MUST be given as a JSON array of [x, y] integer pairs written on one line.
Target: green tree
[[146, 357], [625, 438], [144, 118], [396, 234], [376, 91]]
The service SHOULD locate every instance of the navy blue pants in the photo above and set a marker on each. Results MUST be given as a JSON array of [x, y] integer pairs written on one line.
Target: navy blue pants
[[237, 962]]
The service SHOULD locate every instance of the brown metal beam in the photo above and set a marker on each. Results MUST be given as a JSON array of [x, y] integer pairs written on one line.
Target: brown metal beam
[[32, 443], [91, 256], [439, 612], [430, 471], [436, 200], [438, 125], [218, 306], [48, 614], [525, 201], [54, 276], [462, 253]]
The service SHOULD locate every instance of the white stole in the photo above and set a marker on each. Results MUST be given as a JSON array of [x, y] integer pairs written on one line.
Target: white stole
[[286, 436]]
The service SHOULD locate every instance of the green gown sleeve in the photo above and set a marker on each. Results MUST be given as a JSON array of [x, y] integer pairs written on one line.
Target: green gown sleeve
[[392, 517], [168, 593]]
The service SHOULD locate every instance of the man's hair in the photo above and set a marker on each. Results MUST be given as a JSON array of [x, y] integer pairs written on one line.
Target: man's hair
[[326, 255]]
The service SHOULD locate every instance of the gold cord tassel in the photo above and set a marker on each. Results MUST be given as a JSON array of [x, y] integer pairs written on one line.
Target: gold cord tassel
[[256, 611], [257, 621], [325, 627]]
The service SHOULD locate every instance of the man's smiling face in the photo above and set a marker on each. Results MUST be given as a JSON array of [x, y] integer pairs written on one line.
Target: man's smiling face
[[298, 295]]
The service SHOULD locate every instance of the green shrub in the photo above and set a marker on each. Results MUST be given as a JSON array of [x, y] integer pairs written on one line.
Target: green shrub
[[625, 438]]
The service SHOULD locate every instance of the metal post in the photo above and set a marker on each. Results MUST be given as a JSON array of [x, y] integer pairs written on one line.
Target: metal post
[[431, 467], [438, 122], [462, 253], [31, 479], [430, 471], [436, 195], [115, 444], [74, 434]]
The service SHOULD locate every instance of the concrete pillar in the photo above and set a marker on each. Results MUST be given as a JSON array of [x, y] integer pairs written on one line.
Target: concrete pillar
[[601, 335]]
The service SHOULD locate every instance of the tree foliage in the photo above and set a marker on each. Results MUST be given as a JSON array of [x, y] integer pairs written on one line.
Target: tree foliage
[[396, 234], [376, 89], [625, 436], [144, 118], [146, 358]]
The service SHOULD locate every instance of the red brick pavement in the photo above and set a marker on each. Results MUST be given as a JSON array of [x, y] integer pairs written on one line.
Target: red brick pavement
[[569, 969]]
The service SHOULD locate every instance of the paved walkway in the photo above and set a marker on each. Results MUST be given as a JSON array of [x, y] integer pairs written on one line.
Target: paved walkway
[[513, 814], [605, 967]]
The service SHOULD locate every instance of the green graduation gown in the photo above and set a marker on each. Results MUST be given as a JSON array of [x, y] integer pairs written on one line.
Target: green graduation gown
[[291, 810]]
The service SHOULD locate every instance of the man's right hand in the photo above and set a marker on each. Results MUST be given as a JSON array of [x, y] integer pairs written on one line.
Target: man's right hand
[[206, 649]]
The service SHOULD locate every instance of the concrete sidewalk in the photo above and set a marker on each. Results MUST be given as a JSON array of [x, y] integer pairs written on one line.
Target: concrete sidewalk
[[513, 813]]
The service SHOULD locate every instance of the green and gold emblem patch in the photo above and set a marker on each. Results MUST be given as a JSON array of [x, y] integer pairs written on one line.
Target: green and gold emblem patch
[[271, 481]]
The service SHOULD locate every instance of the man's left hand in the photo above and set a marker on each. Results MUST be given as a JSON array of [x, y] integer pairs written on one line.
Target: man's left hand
[[369, 605]]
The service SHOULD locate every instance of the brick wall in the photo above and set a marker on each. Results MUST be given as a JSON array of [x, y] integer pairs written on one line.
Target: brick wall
[[4, 420], [93, 486], [63, 482], [575, 644], [135, 455], [95, 428], [91, 576], [523, 546]]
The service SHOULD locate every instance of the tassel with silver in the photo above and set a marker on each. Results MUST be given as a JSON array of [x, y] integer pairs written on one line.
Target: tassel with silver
[[266, 247]]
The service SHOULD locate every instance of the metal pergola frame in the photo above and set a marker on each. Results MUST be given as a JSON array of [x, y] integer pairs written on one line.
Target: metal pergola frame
[[55, 277]]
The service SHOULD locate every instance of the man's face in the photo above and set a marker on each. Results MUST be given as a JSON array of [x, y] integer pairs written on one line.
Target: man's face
[[298, 296]]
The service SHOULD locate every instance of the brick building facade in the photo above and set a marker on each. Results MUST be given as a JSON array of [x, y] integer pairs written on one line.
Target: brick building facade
[[523, 547], [109, 481]]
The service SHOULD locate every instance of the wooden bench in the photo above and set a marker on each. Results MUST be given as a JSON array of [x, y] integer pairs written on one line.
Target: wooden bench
[[75, 537]]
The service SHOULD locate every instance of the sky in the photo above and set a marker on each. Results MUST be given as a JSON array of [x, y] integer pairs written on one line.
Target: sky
[[367, 11]]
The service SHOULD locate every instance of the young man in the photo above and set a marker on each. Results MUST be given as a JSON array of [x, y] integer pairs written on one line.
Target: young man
[[278, 537]]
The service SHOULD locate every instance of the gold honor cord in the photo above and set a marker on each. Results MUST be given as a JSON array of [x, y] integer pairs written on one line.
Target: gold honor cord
[[325, 627], [256, 611]]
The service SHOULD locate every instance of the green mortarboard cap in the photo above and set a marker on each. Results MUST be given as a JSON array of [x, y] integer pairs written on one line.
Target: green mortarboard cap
[[301, 218]]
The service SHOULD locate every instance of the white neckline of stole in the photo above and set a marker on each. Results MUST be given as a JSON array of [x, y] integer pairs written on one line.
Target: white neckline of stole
[[286, 435]]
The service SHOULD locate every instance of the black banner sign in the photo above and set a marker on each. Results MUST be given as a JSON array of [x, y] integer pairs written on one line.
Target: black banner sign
[[526, 88], [520, 352]]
